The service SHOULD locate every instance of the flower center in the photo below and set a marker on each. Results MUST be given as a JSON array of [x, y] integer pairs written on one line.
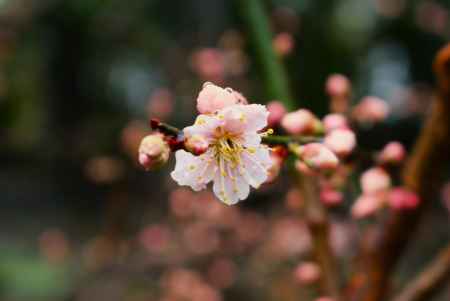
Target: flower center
[[228, 149]]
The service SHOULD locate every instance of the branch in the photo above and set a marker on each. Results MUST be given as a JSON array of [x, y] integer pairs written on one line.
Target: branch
[[429, 280], [317, 220], [170, 130], [424, 175]]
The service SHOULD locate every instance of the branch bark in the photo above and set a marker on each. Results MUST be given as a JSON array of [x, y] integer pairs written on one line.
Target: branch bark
[[317, 220], [435, 275]]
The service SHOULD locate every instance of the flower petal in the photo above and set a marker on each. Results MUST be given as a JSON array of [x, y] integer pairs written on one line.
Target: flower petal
[[205, 125], [193, 171], [255, 165]]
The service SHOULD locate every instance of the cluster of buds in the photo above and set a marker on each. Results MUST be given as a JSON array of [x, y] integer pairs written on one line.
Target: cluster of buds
[[376, 185]]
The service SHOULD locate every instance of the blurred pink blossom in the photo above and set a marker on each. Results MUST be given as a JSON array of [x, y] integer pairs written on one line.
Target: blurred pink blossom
[[375, 180], [200, 239], [330, 196], [370, 109], [335, 121], [222, 273], [276, 112], [160, 104], [366, 205], [283, 43], [294, 200], [341, 141], [182, 202], [338, 85], [393, 153], [400, 198], [307, 273], [155, 238], [209, 64]]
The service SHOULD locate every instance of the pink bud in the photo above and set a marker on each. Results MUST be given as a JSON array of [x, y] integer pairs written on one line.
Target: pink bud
[[330, 196], [283, 43], [276, 112], [301, 122], [209, 64], [375, 180], [338, 85], [335, 121], [212, 98], [153, 151], [275, 168], [366, 205], [392, 153], [196, 144], [371, 109], [341, 142], [400, 198], [307, 273], [317, 156]]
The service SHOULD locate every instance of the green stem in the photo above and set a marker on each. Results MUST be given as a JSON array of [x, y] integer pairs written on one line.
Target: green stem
[[274, 72]]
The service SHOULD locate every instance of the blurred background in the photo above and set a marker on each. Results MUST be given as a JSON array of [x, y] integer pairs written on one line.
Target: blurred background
[[79, 80]]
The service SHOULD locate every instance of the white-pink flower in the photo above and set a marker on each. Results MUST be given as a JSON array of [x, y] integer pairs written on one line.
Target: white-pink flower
[[235, 158]]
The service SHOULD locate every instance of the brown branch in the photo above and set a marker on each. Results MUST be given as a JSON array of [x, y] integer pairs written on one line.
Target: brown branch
[[317, 220], [423, 174], [435, 275]]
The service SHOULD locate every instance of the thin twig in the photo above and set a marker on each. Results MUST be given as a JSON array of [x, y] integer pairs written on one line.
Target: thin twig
[[318, 225], [435, 275]]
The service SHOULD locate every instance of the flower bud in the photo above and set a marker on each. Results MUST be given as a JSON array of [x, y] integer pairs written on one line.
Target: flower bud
[[366, 205], [212, 98], [334, 121], [375, 180], [301, 122], [338, 85], [275, 168], [392, 153], [276, 112], [317, 156], [196, 144], [330, 196], [401, 198], [283, 43], [307, 273], [153, 151], [370, 110], [341, 142]]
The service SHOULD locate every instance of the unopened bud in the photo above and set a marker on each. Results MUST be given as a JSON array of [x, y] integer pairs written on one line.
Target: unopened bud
[[402, 199], [317, 156], [335, 121], [366, 205], [371, 109], [196, 144], [153, 152], [341, 142], [301, 122], [307, 273], [276, 112], [392, 153], [375, 180], [338, 85]]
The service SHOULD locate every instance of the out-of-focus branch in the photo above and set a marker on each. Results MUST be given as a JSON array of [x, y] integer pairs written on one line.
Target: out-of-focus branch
[[275, 75], [317, 220], [423, 174], [429, 280]]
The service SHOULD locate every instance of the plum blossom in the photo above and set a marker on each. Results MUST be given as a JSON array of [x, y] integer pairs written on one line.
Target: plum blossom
[[235, 159]]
